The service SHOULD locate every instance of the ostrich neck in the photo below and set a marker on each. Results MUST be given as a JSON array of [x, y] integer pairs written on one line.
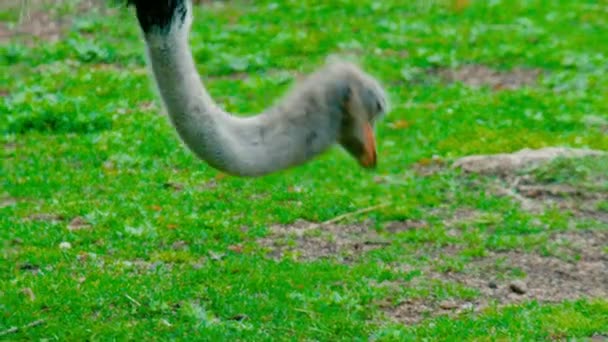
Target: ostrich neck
[[285, 135]]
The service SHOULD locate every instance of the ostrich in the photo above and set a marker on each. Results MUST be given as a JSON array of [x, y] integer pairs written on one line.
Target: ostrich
[[337, 104]]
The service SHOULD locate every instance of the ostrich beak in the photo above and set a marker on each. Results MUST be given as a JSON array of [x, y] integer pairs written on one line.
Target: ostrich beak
[[368, 158]]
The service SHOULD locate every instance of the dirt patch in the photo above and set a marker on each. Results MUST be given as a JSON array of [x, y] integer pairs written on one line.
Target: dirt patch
[[479, 76], [78, 223], [458, 217], [429, 166], [38, 19], [306, 241], [516, 179], [545, 279], [505, 164], [7, 201], [582, 203], [45, 217], [36, 24]]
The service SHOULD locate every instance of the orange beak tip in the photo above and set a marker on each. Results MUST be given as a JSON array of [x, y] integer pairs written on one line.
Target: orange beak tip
[[369, 158]]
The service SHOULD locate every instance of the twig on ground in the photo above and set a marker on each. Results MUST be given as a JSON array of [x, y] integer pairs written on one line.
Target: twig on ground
[[308, 312], [14, 330], [347, 215], [132, 300], [355, 213], [11, 330]]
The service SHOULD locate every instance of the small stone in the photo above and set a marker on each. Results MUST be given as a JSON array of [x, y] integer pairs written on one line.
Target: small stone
[[65, 245], [108, 164], [179, 245], [467, 306], [518, 287], [78, 223], [199, 264], [448, 304], [216, 256], [238, 248], [453, 232]]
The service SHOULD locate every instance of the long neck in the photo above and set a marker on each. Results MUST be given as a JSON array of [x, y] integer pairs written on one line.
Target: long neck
[[286, 135]]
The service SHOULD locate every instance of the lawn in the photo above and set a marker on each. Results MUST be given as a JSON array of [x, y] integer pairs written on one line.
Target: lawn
[[110, 229]]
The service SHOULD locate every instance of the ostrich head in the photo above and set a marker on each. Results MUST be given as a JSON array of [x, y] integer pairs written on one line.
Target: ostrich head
[[364, 104]]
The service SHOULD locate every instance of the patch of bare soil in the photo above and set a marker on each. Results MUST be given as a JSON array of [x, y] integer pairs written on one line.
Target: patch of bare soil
[[7, 201], [504, 164], [36, 24], [479, 75], [45, 217], [582, 203], [547, 279], [305, 240], [38, 21], [78, 223], [533, 195]]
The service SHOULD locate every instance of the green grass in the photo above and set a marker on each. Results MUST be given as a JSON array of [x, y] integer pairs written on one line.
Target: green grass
[[81, 137]]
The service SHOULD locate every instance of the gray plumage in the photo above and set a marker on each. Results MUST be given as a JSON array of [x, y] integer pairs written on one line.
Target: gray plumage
[[337, 104]]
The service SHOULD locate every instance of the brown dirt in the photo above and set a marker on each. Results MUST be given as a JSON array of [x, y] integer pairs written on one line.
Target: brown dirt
[[577, 267], [479, 75], [305, 241], [547, 279], [78, 223], [532, 195], [36, 24], [37, 21], [507, 163], [582, 203], [45, 217], [7, 201]]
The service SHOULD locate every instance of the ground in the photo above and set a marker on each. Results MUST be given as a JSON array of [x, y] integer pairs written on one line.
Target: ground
[[111, 229]]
